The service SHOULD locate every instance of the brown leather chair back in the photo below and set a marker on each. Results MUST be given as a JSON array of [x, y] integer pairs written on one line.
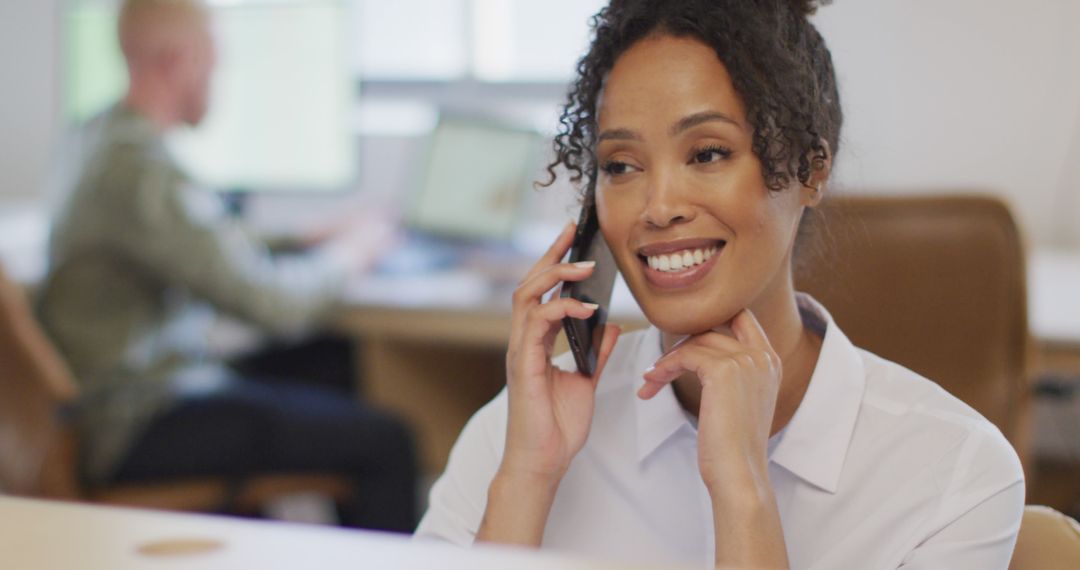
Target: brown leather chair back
[[34, 382], [936, 284]]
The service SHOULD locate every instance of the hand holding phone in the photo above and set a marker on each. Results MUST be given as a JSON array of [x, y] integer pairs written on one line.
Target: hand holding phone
[[549, 409], [585, 335]]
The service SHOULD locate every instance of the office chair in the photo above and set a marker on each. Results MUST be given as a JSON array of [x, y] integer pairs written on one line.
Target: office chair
[[936, 284], [1048, 540], [38, 454]]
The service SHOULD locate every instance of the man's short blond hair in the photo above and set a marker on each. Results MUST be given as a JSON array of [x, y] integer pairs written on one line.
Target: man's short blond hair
[[146, 25]]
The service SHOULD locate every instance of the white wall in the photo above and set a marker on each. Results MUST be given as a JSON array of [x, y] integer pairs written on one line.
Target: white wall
[[963, 94], [28, 95]]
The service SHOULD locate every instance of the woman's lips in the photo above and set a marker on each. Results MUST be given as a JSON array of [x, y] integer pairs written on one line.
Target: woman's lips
[[679, 264]]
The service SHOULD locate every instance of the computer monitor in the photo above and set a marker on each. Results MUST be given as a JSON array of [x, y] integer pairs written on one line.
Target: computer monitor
[[475, 176], [281, 108]]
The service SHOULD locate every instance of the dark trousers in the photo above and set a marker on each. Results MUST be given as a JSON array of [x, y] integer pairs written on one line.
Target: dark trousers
[[327, 361], [258, 425]]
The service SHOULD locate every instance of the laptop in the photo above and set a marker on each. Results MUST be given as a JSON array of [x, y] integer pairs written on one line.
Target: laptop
[[469, 193]]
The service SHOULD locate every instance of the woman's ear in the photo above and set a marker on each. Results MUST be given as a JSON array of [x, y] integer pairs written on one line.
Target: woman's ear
[[813, 191]]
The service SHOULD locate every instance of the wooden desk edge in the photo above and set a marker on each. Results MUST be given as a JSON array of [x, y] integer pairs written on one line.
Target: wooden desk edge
[[474, 328]]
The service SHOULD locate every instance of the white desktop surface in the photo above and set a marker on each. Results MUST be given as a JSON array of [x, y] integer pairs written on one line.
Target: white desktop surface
[[37, 534], [24, 238], [1054, 295], [459, 289]]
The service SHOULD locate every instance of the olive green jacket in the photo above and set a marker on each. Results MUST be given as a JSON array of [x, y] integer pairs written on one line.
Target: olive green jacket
[[140, 258]]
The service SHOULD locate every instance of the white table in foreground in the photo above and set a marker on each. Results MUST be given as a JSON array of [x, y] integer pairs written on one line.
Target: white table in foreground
[[40, 535]]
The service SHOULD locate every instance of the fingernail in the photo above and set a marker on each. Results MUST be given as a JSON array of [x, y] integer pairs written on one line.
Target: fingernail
[[650, 369], [585, 264], [592, 306]]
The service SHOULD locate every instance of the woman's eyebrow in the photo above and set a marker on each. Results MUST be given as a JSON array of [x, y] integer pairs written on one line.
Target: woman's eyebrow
[[618, 135], [691, 121], [685, 123]]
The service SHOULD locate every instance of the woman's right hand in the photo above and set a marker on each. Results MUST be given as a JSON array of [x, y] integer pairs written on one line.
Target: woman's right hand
[[550, 410]]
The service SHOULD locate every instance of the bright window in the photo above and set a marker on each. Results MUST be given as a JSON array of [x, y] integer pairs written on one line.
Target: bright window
[[485, 40]]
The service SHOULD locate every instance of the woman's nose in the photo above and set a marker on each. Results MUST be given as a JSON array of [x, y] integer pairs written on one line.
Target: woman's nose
[[666, 203]]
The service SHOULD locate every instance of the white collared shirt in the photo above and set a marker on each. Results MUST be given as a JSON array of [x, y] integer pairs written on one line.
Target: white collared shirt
[[878, 468]]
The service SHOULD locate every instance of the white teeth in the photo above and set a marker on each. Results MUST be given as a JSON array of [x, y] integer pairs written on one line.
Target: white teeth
[[680, 260]]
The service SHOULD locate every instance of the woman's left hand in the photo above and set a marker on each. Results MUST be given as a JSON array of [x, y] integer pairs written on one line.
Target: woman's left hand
[[740, 379]]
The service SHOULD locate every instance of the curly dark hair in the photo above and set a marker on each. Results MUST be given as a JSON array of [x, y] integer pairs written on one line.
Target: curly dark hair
[[777, 60]]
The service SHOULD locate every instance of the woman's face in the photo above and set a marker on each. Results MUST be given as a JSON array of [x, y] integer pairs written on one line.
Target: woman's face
[[680, 195]]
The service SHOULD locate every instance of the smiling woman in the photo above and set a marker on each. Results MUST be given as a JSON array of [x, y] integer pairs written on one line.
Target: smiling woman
[[743, 429], [686, 178]]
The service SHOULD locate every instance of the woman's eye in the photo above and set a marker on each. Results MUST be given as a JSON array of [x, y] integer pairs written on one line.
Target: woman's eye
[[711, 154], [615, 168]]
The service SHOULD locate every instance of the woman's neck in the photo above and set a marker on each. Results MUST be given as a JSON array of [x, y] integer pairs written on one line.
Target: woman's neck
[[797, 346]]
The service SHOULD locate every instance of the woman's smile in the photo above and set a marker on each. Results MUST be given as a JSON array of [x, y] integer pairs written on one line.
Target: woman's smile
[[680, 263]]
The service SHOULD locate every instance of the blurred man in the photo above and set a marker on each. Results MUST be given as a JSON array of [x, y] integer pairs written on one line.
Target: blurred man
[[140, 258]]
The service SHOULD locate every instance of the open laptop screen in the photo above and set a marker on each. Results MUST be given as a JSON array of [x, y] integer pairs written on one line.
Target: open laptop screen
[[475, 177]]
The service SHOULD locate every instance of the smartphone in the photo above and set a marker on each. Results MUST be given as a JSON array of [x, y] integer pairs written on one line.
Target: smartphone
[[585, 335]]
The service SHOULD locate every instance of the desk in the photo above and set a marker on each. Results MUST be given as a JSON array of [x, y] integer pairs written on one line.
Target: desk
[[1054, 310], [434, 346], [55, 535], [443, 338], [24, 236], [434, 366]]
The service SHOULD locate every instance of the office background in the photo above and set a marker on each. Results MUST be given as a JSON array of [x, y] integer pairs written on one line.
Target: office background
[[965, 94]]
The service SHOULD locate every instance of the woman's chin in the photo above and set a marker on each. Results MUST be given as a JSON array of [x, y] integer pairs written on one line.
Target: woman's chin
[[685, 323]]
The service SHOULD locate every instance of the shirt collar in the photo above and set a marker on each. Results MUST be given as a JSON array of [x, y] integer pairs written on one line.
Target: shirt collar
[[814, 444], [659, 418]]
